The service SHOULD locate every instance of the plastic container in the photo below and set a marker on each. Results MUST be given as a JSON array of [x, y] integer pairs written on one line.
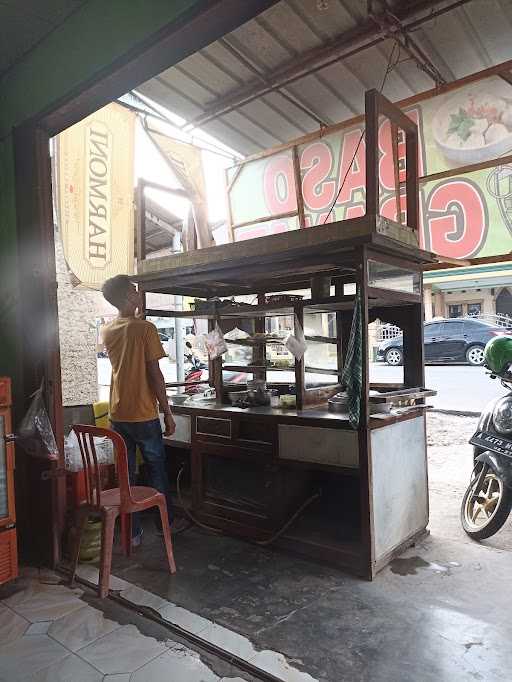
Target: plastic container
[[90, 545], [288, 401]]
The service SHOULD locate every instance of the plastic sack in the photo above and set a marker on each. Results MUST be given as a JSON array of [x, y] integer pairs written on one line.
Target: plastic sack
[[37, 423], [215, 343], [72, 455], [296, 343]]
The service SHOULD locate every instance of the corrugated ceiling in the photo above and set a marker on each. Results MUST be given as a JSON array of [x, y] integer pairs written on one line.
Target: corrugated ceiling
[[467, 39]]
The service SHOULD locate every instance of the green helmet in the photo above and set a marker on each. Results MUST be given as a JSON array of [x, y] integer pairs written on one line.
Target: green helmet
[[498, 354]]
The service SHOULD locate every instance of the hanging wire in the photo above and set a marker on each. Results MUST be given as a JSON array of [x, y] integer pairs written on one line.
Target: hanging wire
[[392, 63]]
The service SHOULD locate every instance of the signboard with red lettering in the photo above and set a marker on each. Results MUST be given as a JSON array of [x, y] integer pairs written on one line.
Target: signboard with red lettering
[[467, 214]]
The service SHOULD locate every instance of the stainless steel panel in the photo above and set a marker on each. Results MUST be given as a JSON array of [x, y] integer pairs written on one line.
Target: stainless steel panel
[[336, 447], [183, 429], [399, 483]]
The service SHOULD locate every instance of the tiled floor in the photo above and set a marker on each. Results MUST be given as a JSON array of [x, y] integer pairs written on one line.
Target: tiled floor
[[49, 634], [213, 633]]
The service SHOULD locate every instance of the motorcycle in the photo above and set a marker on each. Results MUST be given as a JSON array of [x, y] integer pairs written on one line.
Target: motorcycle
[[198, 372], [195, 373], [487, 501]]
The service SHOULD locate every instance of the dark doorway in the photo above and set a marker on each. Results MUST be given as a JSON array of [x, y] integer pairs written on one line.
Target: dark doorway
[[504, 303]]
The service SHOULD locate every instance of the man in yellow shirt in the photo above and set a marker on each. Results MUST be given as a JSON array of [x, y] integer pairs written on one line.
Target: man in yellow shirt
[[136, 387]]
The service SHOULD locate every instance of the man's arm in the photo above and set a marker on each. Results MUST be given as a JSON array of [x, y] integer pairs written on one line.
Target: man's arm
[[157, 383]]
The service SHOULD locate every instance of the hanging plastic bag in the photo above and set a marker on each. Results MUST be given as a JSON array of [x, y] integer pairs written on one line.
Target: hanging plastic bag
[[296, 343], [215, 343], [37, 423]]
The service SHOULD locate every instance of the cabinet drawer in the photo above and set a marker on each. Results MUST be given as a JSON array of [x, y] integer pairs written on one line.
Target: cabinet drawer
[[213, 426], [335, 447], [255, 432]]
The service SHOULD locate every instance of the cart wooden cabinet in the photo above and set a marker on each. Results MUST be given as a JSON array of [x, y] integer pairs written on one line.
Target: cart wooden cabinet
[[305, 478]]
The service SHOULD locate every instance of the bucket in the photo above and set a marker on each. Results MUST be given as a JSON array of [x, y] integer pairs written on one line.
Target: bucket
[[90, 546]]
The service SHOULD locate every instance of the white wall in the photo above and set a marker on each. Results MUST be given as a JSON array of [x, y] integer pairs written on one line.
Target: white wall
[[78, 310]]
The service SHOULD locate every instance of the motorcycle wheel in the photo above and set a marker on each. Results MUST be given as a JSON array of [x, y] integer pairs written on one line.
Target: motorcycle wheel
[[483, 514]]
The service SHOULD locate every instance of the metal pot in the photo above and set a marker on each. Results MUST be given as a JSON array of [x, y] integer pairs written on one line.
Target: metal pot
[[237, 396]]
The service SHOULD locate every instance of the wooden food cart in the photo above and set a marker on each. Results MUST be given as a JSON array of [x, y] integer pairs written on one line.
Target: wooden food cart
[[356, 496]]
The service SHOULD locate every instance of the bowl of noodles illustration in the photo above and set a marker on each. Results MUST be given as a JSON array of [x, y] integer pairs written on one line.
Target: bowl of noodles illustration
[[474, 126]]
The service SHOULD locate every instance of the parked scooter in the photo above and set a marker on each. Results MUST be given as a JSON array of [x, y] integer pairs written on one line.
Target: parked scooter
[[488, 499], [198, 371]]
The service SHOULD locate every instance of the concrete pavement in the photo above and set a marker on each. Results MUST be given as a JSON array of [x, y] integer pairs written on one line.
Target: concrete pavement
[[459, 387]]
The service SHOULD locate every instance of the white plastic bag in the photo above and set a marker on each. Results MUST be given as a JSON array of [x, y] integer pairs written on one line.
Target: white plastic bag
[[37, 423], [73, 458], [215, 343], [296, 343]]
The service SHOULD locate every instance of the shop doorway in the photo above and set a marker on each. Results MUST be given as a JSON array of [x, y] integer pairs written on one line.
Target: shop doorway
[[38, 309], [504, 302]]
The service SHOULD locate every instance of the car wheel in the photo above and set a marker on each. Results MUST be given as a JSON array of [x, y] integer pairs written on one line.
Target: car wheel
[[475, 355], [394, 357]]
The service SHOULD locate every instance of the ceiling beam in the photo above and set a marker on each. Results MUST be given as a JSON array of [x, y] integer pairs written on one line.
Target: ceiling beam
[[238, 53], [391, 26], [355, 40]]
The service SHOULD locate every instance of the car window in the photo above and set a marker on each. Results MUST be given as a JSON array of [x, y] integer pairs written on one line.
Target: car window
[[452, 328], [473, 326], [432, 329]]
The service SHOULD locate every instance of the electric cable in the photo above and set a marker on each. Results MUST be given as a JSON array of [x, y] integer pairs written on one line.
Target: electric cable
[[392, 62], [261, 543]]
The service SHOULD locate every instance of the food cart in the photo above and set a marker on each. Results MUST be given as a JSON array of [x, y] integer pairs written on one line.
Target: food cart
[[351, 491]]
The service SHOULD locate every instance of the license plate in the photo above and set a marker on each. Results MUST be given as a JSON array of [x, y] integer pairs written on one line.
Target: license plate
[[488, 441]]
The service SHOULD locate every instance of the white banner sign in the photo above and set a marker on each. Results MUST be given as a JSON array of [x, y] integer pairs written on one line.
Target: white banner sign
[[95, 179]]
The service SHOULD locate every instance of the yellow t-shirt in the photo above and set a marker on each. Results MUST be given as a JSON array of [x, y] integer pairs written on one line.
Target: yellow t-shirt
[[130, 344]]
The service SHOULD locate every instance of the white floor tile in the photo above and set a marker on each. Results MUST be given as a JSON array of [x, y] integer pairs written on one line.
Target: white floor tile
[[185, 619], [12, 626], [38, 628], [92, 573], [177, 665], [229, 641], [277, 665], [122, 651], [141, 597], [45, 602], [81, 628], [70, 669], [27, 655]]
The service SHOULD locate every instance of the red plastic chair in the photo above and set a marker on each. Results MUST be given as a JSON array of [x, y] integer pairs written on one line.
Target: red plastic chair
[[109, 504]]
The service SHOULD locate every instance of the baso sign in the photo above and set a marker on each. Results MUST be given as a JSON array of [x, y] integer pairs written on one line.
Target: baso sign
[[466, 213], [95, 195]]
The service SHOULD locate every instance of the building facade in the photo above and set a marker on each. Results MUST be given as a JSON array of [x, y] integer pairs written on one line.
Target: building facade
[[484, 290]]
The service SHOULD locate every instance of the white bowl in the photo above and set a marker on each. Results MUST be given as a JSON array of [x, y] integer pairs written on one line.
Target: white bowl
[[468, 155], [179, 399]]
